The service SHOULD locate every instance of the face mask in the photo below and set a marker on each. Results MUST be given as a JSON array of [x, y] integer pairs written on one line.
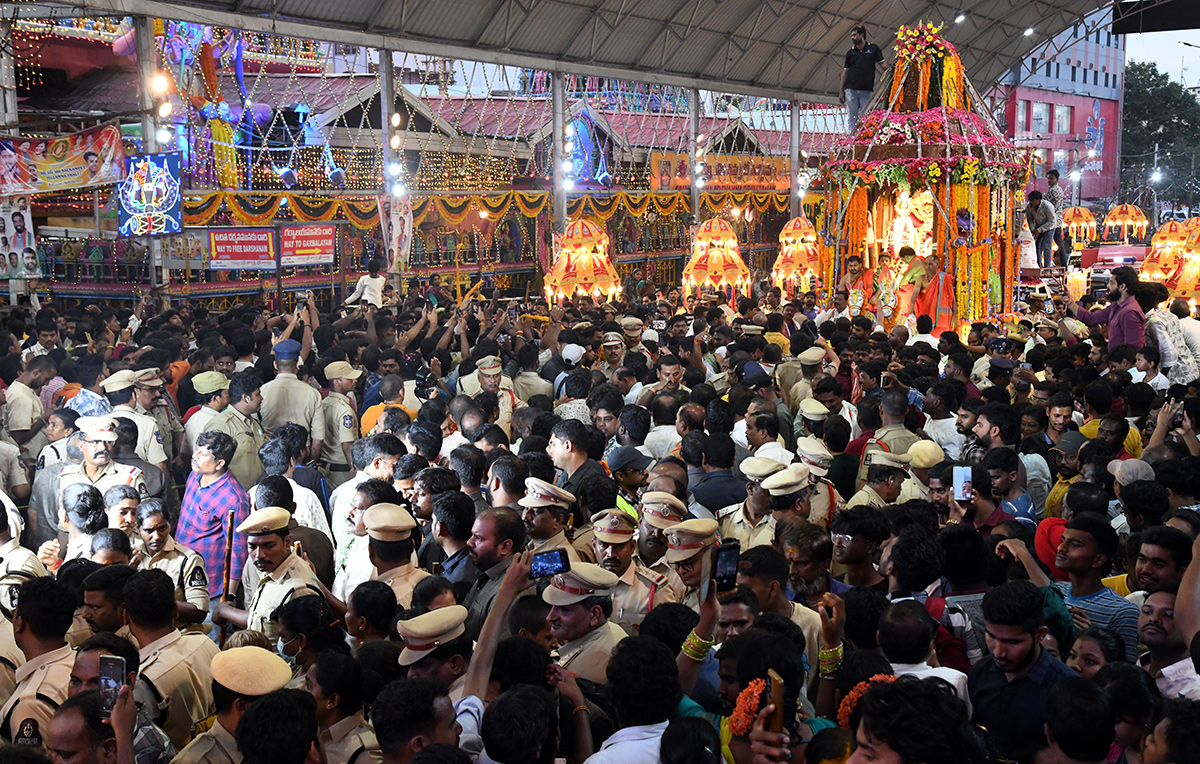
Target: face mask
[[279, 648]]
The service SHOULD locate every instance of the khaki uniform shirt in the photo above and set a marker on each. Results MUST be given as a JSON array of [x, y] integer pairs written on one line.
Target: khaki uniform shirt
[[824, 503], [186, 569], [213, 746], [911, 489], [22, 409], [734, 525], [293, 578], [11, 659], [581, 541], [248, 434], [350, 741], [12, 472], [867, 497], [528, 384], [340, 426], [113, 474], [401, 579], [176, 670], [557, 541], [41, 689], [287, 399], [509, 400], [168, 425], [195, 425], [150, 439], [896, 437], [674, 582], [17, 565], [587, 657], [639, 591]]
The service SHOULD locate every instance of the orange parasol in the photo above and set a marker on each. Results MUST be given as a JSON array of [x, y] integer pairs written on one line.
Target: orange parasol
[[1079, 222], [1170, 235], [797, 251], [1127, 216], [715, 256], [1191, 224], [1185, 280], [582, 264]]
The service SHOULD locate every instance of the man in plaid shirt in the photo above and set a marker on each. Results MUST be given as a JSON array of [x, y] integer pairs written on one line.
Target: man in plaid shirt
[[211, 495]]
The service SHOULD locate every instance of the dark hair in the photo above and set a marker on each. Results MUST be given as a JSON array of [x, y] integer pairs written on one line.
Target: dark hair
[[862, 521], [278, 728], [1003, 417], [47, 606], [922, 720], [690, 740], [376, 602], [150, 599], [1111, 644], [405, 709], [312, 618], [1016, 603], [426, 438], [84, 507], [339, 674], [766, 563], [427, 590], [906, 631], [378, 491], [720, 451], [511, 472], [437, 480], [643, 681], [917, 559], [1081, 718], [470, 464], [516, 725], [455, 512], [111, 643], [243, 383], [110, 580], [1101, 531], [87, 703], [864, 608], [1130, 688], [966, 554], [220, 444], [1148, 499], [112, 540]]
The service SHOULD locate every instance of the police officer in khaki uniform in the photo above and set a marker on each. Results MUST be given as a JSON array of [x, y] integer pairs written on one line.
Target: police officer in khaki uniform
[[243, 675], [17, 565], [661, 511], [612, 353], [148, 394], [120, 387], [41, 683], [639, 589], [751, 521], [287, 399], [184, 566], [390, 545], [585, 643], [488, 378], [239, 421], [825, 501], [546, 509], [687, 543], [11, 659], [98, 469], [811, 361], [285, 576], [789, 492], [350, 740], [175, 675], [341, 423], [631, 330], [885, 475], [434, 644]]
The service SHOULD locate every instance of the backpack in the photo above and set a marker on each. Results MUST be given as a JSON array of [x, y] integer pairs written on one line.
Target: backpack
[[951, 650]]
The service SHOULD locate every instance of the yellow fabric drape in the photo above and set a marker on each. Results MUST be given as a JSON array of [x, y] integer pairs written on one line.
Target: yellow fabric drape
[[311, 209], [198, 210], [363, 214], [253, 209]]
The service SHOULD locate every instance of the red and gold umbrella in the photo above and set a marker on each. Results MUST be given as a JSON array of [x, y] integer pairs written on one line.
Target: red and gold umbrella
[[1080, 223], [1127, 217], [715, 257], [1170, 235], [1191, 224], [1185, 281], [797, 252], [582, 265]]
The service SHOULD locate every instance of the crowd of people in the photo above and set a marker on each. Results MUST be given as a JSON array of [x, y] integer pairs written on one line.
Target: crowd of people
[[496, 531]]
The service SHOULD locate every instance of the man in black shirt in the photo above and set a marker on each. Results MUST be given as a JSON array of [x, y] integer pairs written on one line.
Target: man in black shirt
[[858, 76]]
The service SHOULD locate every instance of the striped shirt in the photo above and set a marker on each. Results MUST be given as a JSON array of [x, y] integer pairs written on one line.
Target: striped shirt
[[202, 526], [1108, 610]]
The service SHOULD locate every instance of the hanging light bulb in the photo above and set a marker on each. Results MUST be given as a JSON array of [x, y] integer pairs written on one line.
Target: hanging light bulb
[[159, 84], [395, 141], [395, 119], [164, 135], [394, 169], [569, 131], [165, 109], [398, 189], [287, 176]]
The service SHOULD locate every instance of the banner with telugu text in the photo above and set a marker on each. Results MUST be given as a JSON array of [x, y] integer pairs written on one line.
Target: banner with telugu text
[[89, 158]]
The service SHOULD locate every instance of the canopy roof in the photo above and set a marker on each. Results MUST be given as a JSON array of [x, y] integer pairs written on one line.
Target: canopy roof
[[776, 48]]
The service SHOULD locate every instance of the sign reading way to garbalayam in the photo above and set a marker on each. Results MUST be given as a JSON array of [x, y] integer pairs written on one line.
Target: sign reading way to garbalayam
[[241, 249], [301, 245]]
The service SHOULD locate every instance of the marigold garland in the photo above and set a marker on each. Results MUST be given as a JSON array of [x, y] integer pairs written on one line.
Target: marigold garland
[[850, 702], [746, 709]]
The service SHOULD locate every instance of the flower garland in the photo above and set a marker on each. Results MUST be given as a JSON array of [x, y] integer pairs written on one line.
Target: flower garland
[[850, 702], [746, 709], [909, 174], [902, 128]]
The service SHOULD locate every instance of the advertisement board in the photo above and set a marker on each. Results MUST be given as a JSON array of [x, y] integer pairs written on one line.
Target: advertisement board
[[94, 157]]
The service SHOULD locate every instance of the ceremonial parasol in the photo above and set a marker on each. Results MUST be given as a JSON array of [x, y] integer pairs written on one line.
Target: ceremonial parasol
[[582, 264], [715, 256], [1127, 216], [1080, 223], [797, 251]]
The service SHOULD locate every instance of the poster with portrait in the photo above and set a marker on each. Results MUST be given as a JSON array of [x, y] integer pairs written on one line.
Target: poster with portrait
[[17, 242], [85, 159]]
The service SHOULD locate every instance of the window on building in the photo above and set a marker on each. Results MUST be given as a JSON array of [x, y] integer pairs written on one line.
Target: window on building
[[1060, 160], [1039, 162], [1109, 40], [1062, 118], [1074, 71], [1047, 68], [1095, 77], [1058, 71], [1040, 118], [1022, 116], [1106, 79]]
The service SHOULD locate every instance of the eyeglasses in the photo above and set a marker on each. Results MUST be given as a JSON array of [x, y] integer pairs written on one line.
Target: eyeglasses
[[841, 538]]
